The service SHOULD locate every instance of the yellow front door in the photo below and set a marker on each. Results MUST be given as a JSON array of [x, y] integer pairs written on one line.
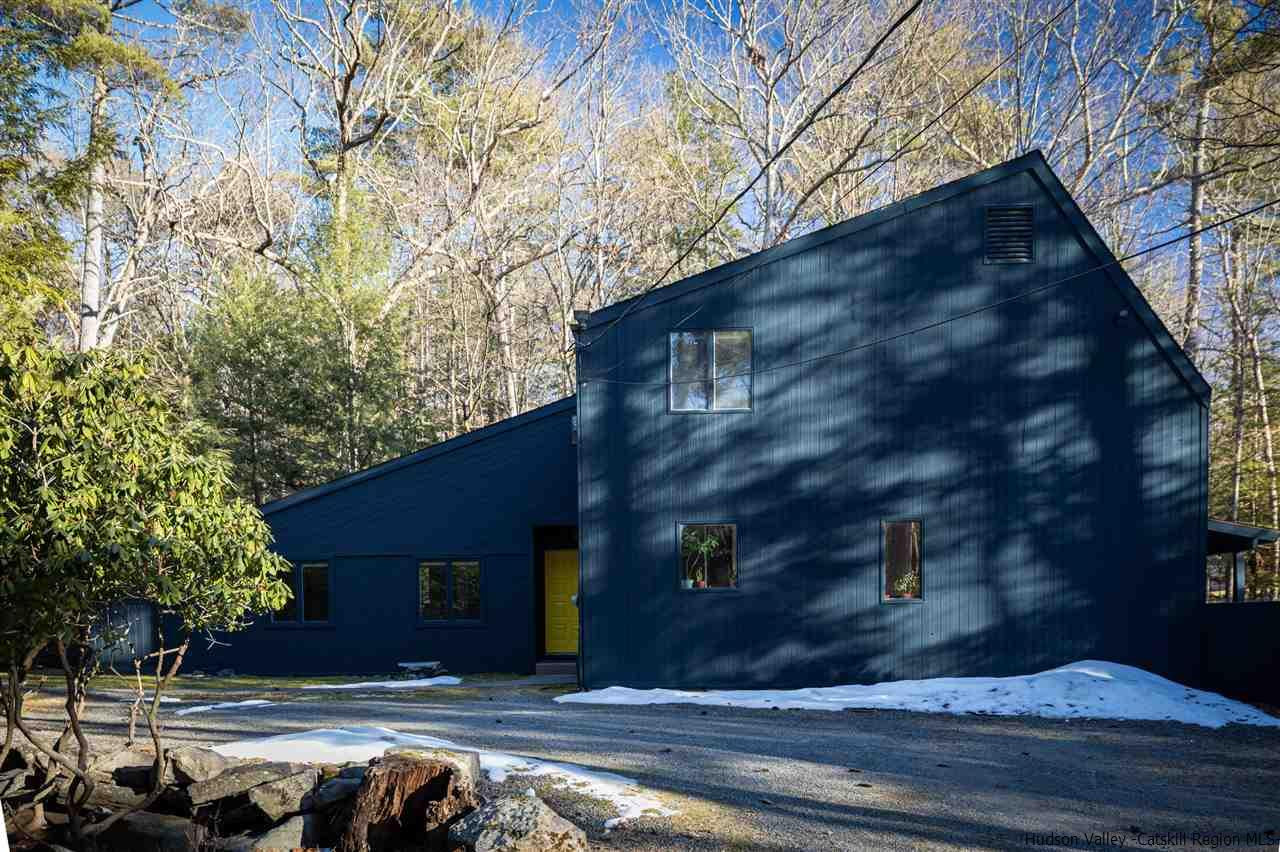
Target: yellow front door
[[560, 585]]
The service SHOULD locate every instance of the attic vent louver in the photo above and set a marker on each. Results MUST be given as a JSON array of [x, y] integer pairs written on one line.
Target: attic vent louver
[[1009, 235]]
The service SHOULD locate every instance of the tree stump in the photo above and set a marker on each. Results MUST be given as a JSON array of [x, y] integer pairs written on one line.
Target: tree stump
[[409, 800]]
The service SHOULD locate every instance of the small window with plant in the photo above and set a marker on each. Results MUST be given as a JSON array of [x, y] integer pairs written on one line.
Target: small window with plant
[[708, 556], [903, 580]]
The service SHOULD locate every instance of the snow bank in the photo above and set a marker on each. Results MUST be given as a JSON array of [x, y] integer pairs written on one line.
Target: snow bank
[[441, 680], [224, 705], [1086, 690], [359, 744]]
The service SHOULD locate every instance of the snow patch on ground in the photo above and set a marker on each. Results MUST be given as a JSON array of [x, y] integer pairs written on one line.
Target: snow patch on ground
[[441, 680], [359, 744], [164, 699], [1089, 689], [224, 705]]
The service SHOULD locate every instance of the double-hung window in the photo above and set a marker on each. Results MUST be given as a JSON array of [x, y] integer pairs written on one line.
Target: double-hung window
[[308, 594], [449, 590], [710, 370]]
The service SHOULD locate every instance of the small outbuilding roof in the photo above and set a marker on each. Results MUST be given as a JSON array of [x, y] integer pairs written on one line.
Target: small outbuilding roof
[[1230, 537]]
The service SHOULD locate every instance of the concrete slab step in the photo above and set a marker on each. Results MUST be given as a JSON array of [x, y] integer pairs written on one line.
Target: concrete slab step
[[556, 667]]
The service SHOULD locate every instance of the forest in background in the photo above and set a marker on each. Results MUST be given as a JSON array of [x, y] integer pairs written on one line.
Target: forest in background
[[341, 230]]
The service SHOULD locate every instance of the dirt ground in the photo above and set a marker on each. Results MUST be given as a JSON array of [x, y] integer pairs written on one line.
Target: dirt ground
[[792, 779]]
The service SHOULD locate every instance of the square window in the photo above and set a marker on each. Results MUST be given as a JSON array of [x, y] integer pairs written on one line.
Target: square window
[[449, 590], [708, 556], [710, 370], [903, 577]]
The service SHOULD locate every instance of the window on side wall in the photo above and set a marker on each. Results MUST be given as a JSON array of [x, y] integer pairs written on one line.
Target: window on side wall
[[309, 599], [710, 370], [708, 556], [1220, 571], [449, 590], [315, 591], [903, 566]]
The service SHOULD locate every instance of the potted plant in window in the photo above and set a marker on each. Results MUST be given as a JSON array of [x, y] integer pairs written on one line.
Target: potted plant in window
[[700, 547]]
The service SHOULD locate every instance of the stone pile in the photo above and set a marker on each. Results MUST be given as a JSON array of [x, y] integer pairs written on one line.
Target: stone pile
[[408, 799]]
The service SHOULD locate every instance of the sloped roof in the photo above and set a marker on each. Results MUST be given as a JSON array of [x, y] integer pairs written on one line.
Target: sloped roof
[[1033, 162], [1230, 537], [426, 454]]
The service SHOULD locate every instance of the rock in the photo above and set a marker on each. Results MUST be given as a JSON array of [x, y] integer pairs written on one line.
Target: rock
[[23, 756], [191, 764], [424, 669], [239, 779], [125, 759], [29, 819], [409, 799], [284, 797], [148, 832], [14, 781], [356, 770], [517, 824], [294, 833], [332, 792], [105, 794]]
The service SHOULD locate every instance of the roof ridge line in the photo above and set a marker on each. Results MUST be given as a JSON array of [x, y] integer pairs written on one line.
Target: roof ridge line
[[430, 451]]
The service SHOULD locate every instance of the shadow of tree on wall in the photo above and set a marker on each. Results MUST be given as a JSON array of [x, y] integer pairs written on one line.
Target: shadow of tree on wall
[[1051, 453]]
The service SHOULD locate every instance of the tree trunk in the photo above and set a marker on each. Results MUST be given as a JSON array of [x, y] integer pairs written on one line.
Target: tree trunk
[[1195, 251], [409, 801], [1268, 452], [1230, 273], [1237, 436], [92, 272], [504, 325]]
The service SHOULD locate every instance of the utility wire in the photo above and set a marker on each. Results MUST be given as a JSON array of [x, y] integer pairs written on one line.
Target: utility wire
[[804, 125], [966, 314], [969, 91], [635, 300]]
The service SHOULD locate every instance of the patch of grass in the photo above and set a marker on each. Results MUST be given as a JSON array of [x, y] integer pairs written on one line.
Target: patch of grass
[[491, 677], [265, 683]]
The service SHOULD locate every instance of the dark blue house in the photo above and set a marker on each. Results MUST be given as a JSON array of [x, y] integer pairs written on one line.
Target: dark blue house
[[948, 437]]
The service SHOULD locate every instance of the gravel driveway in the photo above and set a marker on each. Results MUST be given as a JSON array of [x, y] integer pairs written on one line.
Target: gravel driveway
[[793, 779]]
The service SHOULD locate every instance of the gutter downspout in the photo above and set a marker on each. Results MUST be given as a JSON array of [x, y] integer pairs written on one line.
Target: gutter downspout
[[579, 325]]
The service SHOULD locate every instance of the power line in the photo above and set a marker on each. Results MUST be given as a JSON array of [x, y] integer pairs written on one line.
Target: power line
[[965, 315], [969, 91], [804, 125], [635, 300]]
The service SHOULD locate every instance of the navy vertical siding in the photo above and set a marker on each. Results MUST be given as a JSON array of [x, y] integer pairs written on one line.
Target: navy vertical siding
[[478, 497], [1054, 451], [1242, 650]]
